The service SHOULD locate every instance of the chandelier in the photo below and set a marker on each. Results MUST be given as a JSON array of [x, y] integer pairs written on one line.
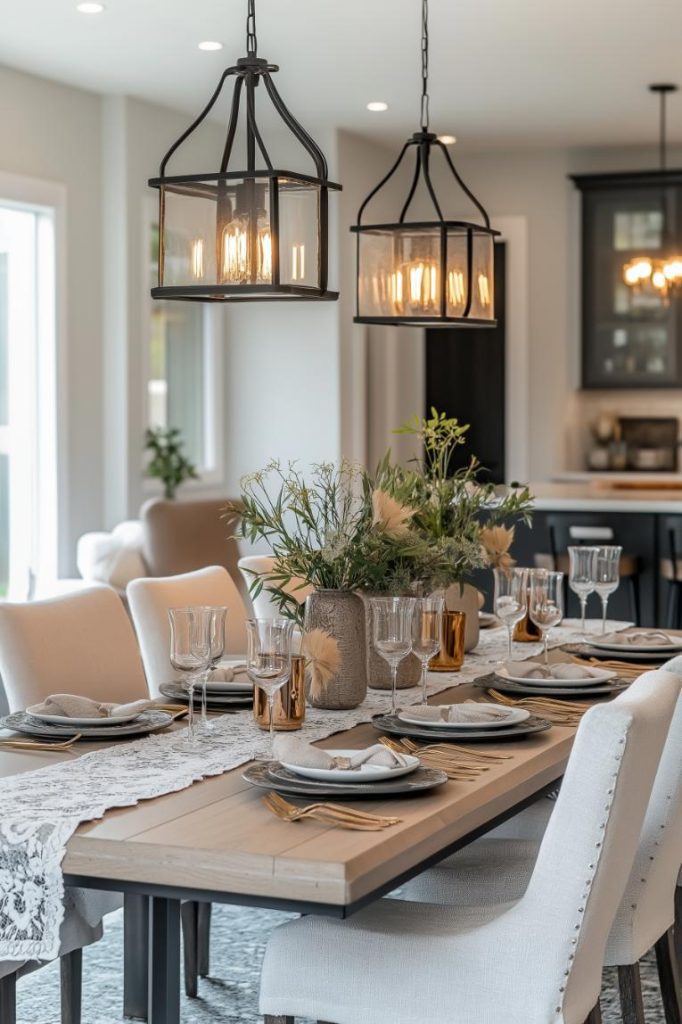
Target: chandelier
[[253, 234], [433, 272], [658, 274]]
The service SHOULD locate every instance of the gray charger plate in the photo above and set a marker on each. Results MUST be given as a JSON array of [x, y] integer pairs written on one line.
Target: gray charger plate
[[148, 721], [394, 725], [608, 689], [271, 775], [177, 692], [627, 654]]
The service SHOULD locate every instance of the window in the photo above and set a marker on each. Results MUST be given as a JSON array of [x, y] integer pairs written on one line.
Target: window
[[184, 370], [28, 502]]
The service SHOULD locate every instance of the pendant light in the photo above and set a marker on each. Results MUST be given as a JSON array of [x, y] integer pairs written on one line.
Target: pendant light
[[661, 275], [252, 234], [425, 272]]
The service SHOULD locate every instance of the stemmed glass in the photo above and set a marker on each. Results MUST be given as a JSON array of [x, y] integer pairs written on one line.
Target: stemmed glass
[[427, 620], [190, 650], [217, 623], [510, 598], [606, 575], [392, 633], [268, 661], [546, 605], [581, 578]]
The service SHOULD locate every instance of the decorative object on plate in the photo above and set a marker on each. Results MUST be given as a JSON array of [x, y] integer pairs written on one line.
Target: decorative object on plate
[[359, 766], [72, 709], [450, 657], [511, 599], [607, 575], [268, 660], [470, 715], [485, 733], [546, 602], [289, 704], [146, 722]]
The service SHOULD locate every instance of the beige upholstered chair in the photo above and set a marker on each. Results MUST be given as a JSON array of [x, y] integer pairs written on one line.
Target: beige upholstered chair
[[149, 600], [183, 536], [81, 642]]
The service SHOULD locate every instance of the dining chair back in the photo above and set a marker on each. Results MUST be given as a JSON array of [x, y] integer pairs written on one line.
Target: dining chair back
[[150, 599], [80, 642]]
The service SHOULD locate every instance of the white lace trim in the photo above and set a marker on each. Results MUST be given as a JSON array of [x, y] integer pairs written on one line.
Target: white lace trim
[[42, 809]]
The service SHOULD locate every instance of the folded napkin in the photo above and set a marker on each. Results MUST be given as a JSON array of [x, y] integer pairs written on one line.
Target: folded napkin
[[562, 670], [70, 706], [229, 672], [638, 638], [304, 755], [459, 713]]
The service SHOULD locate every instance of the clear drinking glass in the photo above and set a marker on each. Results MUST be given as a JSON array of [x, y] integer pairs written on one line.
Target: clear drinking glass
[[190, 650], [582, 570], [510, 598], [392, 633], [546, 604], [268, 660], [427, 620], [606, 575], [217, 623]]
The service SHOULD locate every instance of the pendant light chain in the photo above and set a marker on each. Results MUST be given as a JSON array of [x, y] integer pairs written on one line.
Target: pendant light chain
[[251, 38], [425, 66], [662, 139]]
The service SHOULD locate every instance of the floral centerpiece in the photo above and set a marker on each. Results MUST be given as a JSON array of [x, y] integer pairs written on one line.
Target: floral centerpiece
[[347, 531]]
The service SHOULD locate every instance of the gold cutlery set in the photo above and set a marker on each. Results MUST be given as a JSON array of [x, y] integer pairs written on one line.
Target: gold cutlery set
[[329, 814], [560, 712], [458, 763]]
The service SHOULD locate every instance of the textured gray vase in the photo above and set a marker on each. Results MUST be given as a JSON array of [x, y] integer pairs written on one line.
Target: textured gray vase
[[342, 615], [378, 671]]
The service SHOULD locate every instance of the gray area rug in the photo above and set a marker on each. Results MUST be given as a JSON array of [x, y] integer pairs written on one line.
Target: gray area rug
[[230, 994]]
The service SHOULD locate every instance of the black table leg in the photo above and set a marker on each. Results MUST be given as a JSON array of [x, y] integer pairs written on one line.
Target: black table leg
[[135, 955], [164, 961]]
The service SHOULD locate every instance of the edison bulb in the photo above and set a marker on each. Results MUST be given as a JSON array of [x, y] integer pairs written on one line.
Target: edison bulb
[[238, 265]]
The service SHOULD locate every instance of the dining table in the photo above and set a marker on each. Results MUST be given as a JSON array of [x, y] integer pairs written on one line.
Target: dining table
[[216, 841]]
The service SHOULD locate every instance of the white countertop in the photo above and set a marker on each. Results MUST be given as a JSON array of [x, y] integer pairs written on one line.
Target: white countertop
[[663, 494]]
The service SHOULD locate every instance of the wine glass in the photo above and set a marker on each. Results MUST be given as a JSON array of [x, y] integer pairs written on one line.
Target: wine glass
[[190, 650], [546, 605], [392, 633], [510, 598], [217, 622], [606, 575], [427, 620], [581, 575], [268, 660]]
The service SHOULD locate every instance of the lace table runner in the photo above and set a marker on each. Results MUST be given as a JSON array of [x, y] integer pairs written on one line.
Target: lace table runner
[[42, 809]]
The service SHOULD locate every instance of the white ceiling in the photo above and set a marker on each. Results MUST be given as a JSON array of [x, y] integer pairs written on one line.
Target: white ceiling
[[504, 72]]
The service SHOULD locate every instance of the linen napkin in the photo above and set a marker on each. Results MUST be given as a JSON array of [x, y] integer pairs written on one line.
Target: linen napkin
[[638, 638], [71, 706], [305, 755], [229, 672], [458, 713], [531, 670]]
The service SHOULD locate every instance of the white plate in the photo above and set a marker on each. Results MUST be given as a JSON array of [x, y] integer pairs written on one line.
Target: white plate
[[598, 676], [635, 649], [512, 716], [365, 773], [486, 620], [67, 720], [241, 685]]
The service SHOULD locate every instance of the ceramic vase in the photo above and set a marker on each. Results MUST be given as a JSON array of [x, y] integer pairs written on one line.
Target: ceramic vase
[[341, 614]]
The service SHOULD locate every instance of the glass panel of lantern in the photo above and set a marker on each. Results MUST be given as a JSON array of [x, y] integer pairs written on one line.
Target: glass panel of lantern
[[299, 240], [399, 272], [482, 297]]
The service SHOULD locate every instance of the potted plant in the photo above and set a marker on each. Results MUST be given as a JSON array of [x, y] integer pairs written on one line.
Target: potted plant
[[168, 463]]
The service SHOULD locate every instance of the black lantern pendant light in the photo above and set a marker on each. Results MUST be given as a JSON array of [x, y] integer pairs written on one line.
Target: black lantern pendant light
[[252, 234], [428, 272]]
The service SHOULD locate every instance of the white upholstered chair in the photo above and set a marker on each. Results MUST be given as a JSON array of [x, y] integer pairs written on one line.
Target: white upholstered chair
[[264, 607], [501, 868], [149, 600], [80, 642], [536, 960]]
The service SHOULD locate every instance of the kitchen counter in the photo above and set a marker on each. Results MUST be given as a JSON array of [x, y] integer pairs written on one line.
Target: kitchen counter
[[634, 493]]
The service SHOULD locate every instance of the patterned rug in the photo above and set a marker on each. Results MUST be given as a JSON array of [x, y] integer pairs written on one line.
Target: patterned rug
[[230, 994]]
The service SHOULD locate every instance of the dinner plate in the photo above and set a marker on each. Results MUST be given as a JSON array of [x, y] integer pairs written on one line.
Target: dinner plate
[[272, 775], [148, 721], [214, 701], [78, 722], [631, 654], [508, 716], [486, 620], [661, 649], [392, 724], [598, 676], [608, 689], [358, 776], [220, 686]]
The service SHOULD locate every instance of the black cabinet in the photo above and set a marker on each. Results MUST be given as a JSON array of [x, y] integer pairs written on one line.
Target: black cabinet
[[631, 337]]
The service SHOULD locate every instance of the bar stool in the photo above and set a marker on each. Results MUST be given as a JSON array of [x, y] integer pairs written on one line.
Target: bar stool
[[558, 561]]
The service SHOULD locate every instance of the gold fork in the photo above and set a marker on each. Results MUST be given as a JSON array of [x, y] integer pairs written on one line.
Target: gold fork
[[448, 763], [561, 713], [37, 745], [473, 756], [328, 813]]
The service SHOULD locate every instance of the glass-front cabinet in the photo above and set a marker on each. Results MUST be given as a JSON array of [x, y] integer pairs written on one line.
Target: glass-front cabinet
[[631, 336]]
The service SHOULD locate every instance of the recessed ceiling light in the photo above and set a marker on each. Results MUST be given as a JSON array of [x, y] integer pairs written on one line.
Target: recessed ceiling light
[[377, 105], [90, 8], [210, 44], [447, 140]]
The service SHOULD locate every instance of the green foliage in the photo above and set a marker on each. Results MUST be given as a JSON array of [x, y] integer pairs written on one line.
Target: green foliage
[[167, 462]]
